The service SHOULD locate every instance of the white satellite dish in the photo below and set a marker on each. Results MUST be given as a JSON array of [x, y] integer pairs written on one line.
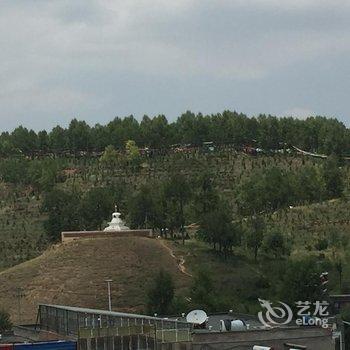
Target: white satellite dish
[[196, 317]]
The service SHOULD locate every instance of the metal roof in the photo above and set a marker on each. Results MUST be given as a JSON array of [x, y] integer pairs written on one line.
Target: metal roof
[[109, 313]]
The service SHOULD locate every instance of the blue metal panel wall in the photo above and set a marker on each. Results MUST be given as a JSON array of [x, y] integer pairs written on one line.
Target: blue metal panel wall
[[56, 345]]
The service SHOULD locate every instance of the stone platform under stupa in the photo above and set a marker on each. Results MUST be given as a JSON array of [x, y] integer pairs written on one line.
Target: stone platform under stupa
[[116, 228]]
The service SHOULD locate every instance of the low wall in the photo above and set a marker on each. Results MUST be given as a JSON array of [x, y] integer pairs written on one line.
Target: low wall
[[72, 235]]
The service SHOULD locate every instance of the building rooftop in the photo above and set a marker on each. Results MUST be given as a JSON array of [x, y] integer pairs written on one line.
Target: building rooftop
[[109, 313], [213, 322]]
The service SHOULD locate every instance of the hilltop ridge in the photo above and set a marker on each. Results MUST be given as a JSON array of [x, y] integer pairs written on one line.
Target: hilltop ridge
[[73, 274]]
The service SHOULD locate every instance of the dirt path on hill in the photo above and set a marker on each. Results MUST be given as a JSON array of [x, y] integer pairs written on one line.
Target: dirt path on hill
[[180, 260]]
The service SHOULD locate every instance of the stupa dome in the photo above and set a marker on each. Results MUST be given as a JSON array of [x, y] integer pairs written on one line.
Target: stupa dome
[[116, 224]]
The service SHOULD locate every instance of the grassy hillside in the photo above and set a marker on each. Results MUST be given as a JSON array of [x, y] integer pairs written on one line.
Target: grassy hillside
[[74, 274], [240, 281], [306, 225], [22, 235]]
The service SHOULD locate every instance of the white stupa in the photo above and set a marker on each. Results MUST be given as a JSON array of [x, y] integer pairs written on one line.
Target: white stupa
[[117, 224]]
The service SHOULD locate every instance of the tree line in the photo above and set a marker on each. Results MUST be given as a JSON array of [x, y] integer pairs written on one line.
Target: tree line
[[317, 134]]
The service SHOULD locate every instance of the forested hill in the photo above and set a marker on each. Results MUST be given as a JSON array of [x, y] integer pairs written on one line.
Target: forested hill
[[317, 134], [261, 220]]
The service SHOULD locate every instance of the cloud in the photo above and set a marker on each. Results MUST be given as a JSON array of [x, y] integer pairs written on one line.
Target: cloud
[[100, 58]]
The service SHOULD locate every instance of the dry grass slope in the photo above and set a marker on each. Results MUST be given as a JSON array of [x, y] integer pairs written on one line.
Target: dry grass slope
[[74, 274]]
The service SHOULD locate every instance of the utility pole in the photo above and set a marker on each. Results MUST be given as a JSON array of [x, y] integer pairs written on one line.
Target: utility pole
[[19, 295], [109, 293]]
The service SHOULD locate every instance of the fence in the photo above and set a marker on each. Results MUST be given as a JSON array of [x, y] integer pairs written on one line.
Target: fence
[[173, 335], [130, 338], [66, 320], [117, 338]]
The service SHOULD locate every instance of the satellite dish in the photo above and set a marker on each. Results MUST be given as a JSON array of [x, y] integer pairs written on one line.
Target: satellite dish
[[196, 317]]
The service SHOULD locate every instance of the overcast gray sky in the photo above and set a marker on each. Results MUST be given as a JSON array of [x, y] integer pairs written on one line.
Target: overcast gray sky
[[97, 59]]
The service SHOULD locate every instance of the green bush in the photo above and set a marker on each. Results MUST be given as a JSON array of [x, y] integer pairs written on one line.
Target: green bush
[[5, 321]]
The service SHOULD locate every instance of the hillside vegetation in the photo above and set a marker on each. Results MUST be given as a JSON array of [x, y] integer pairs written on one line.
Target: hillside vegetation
[[22, 221], [74, 274], [247, 219]]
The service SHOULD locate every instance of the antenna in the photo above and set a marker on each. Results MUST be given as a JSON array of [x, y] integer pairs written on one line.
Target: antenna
[[196, 317]]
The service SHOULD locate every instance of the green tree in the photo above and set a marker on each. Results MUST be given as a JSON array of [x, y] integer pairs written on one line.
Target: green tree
[[145, 207], [100, 137], [109, 157], [96, 206], [337, 240], [218, 229], [115, 133], [24, 140], [5, 321], [331, 136], [266, 190], [155, 132], [43, 140], [43, 174], [187, 127], [178, 191], [333, 177], [202, 293], [15, 170], [275, 243], [300, 280], [130, 129], [132, 152], [58, 140], [160, 295], [6, 146], [269, 132], [63, 213], [255, 234], [49, 175], [339, 268], [310, 185], [79, 135], [206, 199]]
